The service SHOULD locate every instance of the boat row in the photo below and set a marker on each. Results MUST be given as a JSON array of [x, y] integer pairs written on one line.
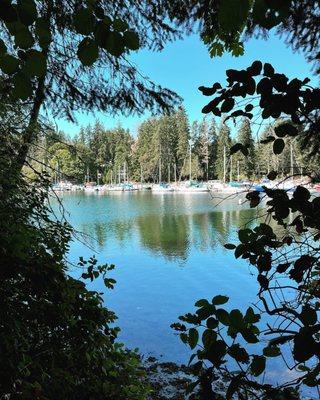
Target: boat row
[[230, 188]]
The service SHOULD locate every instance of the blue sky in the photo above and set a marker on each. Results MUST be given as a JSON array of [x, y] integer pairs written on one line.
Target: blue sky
[[185, 65]]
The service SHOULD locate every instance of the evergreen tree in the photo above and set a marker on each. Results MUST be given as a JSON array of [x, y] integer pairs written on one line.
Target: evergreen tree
[[222, 164], [183, 135], [246, 165], [212, 135]]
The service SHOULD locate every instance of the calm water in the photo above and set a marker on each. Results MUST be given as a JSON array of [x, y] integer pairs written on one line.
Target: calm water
[[168, 251]]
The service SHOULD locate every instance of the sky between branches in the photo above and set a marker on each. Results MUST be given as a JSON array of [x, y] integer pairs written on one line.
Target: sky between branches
[[185, 65]]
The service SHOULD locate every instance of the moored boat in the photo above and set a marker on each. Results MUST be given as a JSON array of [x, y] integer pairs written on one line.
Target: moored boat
[[162, 188], [192, 187]]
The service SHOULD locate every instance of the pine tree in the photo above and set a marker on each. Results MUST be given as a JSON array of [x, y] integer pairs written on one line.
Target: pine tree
[[183, 135], [212, 136], [222, 164], [246, 165]]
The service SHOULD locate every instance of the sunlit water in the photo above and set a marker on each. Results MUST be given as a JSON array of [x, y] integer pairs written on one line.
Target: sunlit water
[[168, 251]]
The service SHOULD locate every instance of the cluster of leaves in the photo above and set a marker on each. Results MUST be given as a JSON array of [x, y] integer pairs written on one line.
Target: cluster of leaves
[[32, 32], [57, 338], [213, 331], [225, 23], [285, 256], [272, 93]]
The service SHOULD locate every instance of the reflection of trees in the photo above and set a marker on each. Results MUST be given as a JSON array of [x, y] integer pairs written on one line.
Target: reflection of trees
[[172, 235], [99, 233], [174, 230], [168, 234]]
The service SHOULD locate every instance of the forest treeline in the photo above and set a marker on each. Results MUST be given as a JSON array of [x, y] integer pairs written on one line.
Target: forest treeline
[[166, 148]]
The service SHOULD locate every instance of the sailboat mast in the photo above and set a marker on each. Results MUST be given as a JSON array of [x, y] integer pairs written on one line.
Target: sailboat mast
[[224, 164], [291, 159], [160, 164], [190, 163], [231, 169], [238, 172]]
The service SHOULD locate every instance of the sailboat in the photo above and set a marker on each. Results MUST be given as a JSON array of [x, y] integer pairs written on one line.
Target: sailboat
[[161, 187], [192, 186]]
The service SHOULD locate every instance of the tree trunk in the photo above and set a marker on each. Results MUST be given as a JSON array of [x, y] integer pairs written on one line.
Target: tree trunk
[[30, 132]]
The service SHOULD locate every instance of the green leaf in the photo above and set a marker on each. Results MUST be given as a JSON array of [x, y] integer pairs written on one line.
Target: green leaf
[[131, 40], [8, 12], [244, 235], [212, 323], [285, 129], [272, 175], [114, 43], [230, 246], [36, 63], [239, 250], [236, 319], [202, 303], [304, 345], [9, 64], [22, 87], [119, 25], [268, 70], [227, 105], [278, 146], [223, 316], [238, 353], [271, 351], [27, 11], [208, 337], [23, 38], [193, 338], [216, 49], [3, 47], [218, 300], [233, 387], [43, 32], [308, 315], [233, 14], [184, 337], [88, 52], [250, 317], [249, 336], [258, 365], [84, 21]]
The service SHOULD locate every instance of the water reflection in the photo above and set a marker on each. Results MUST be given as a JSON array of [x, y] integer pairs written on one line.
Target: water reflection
[[167, 225]]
